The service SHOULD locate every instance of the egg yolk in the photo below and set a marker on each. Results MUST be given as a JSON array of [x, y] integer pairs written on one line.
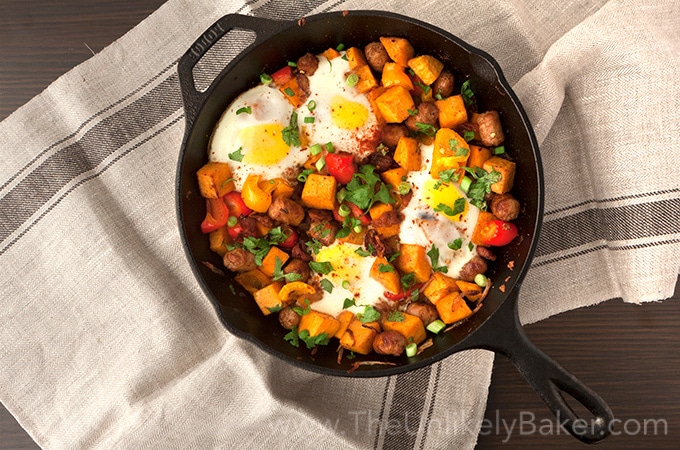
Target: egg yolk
[[262, 144], [345, 262], [347, 114], [446, 194]]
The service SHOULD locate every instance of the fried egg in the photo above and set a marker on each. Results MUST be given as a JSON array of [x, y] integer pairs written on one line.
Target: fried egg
[[425, 224], [251, 129], [340, 113], [349, 278]]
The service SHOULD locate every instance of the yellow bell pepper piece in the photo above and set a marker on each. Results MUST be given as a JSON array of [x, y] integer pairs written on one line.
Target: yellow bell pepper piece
[[254, 196]]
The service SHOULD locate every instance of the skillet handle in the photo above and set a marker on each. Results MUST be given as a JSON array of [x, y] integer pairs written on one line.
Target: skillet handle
[[503, 334], [194, 99]]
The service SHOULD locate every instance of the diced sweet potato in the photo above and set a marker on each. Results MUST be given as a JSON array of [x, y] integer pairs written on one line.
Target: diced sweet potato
[[378, 210], [506, 169], [356, 57], [215, 180], [440, 286], [372, 95], [413, 259], [478, 156], [452, 111], [354, 238], [394, 177], [384, 273], [331, 53], [293, 93], [483, 218], [319, 191], [471, 291], [269, 261], [395, 103], [253, 280], [399, 50], [317, 323], [394, 75], [450, 151], [426, 67], [453, 308], [345, 317], [268, 299], [408, 325], [358, 337], [407, 154], [219, 240], [367, 80]]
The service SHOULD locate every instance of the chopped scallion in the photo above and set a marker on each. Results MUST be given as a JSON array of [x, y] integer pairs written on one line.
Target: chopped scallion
[[309, 119], [232, 221], [499, 150], [465, 184], [352, 79], [344, 210], [345, 284], [315, 149], [481, 280], [468, 136], [330, 148], [320, 164], [265, 79], [245, 109], [411, 349], [311, 106], [340, 47], [436, 326], [289, 92], [292, 63], [357, 229]]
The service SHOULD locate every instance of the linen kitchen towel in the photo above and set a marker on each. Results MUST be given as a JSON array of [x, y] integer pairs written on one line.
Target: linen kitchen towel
[[107, 341]]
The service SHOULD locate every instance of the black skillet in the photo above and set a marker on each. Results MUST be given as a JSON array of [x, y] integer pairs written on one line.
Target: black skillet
[[496, 325]]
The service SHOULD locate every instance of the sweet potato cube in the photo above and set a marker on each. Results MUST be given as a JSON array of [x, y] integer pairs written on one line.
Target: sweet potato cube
[[478, 156], [372, 95], [378, 210], [367, 80], [355, 57], [408, 325], [506, 169], [399, 50], [394, 75], [253, 280], [269, 261], [407, 153], [453, 308], [384, 273], [219, 240], [426, 67], [317, 323], [483, 218], [331, 53], [394, 177], [345, 317], [354, 238], [440, 286], [359, 337], [395, 103], [413, 259], [319, 191], [293, 92], [215, 180], [452, 111], [471, 291], [268, 299]]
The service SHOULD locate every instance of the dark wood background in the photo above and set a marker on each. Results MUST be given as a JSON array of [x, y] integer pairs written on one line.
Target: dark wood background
[[629, 354]]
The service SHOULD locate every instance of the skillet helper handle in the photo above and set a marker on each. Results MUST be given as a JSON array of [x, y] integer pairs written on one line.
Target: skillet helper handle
[[193, 98], [546, 377]]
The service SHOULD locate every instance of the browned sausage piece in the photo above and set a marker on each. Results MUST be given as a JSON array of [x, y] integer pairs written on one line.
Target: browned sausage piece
[[505, 207], [443, 85], [372, 241], [391, 132], [425, 311], [320, 215], [376, 56], [388, 218], [427, 114], [323, 232], [303, 83], [490, 129], [286, 211], [389, 342], [249, 226], [299, 251], [381, 162], [475, 266], [239, 260], [299, 267], [486, 253], [288, 318], [308, 63]]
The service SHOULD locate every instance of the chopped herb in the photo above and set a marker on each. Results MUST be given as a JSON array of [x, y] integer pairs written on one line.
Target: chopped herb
[[314, 246], [302, 177], [245, 109], [408, 280], [343, 233], [340, 47], [412, 112], [466, 92], [361, 252], [411, 349], [277, 235], [382, 268], [309, 119], [345, 284], [237, 155], [344, 210], [279, 275], [366, 188], [396, 316], [426, 128], [329, 147], [321, 230], [348, 303], [468, 136], [311, 106], [403, 188], [448, 176], [292, 337], [315, 149], [382, 148], [275, 309], [458, 207], [370, 314], [414, 295], [326, 285], [232, 221], [292, 63], [232, 289], [422, 86], [392, 257], [265, 79], [352, 79], [465, 184], [291, 134], [320, 164], [324, 268], [471, 246], [481, 185], [313, 341], [481, 280], [300, 311], [436, 326], [438, 95], [457, 244], [433, 253], [289, 92], [350, 355], [499, 150]]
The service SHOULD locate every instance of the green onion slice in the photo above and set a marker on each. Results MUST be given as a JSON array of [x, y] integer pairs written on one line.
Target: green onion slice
[[481, 280], [465, 184], [411, 349], [311, 106], [436, 326], [352, 79], [265, 79]]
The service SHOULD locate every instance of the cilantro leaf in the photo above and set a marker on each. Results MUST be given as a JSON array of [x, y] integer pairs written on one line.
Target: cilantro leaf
[[457, 244], [361, 252], [326, 285], [292, 337], [347, 303], [313, 341], [291, 134], [466, 92], [458, 207], [370, 314], [314, 246], [408, 280], [382, 268], [324, 268], [300, 311], [396, 316], [426, 128], [237, 155], [279, 275], [481, 185], [433, 253]]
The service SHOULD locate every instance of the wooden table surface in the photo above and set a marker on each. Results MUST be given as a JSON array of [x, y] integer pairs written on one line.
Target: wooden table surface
[[629, 354]]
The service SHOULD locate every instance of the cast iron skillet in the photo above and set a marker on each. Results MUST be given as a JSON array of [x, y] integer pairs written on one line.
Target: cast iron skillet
[[496, 326]]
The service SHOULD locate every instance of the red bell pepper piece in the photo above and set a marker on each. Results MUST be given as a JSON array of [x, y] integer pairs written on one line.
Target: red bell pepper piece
[[359, 214], [282, 76], [217, 215], [498, 232], [341, 166], [236, 205], [291, 240], [401, 295]]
